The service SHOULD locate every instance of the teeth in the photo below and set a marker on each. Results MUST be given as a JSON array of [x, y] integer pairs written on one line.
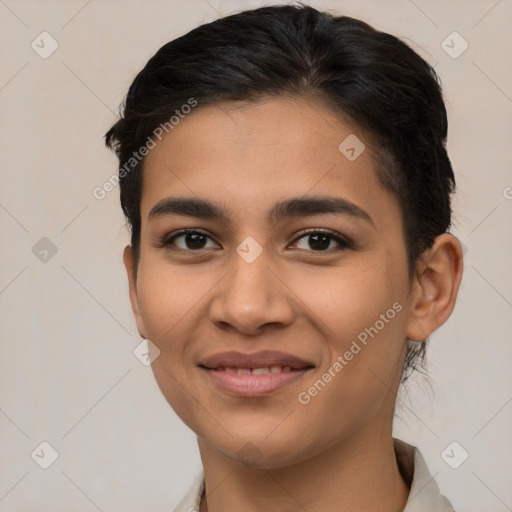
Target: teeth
[[261, 371], [265, 370]]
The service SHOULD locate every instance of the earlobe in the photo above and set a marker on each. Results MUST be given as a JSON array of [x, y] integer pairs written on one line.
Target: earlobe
[[435, 287], [128, 259]]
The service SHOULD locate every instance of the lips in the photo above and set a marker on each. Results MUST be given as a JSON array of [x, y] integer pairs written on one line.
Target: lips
[[252, 375], [262, 359]]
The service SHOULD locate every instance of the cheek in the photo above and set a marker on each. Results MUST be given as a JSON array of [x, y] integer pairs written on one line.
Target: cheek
[[362, 313], [169, 299], [345, 300], [167, 295], [375, 321], [358, 384]]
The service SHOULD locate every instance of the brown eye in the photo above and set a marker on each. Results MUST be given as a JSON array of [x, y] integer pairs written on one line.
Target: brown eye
[[190, 240], [318, 241]]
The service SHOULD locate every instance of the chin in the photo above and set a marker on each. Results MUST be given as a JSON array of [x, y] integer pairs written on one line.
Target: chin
[[260, 452]]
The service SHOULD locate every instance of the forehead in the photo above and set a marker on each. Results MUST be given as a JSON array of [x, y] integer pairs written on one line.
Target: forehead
[[252, 154]]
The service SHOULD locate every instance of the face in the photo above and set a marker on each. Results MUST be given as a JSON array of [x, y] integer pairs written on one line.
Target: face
[[294, 263]]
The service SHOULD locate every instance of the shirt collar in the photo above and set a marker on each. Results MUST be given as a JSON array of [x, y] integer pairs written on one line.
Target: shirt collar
[[424, 495]]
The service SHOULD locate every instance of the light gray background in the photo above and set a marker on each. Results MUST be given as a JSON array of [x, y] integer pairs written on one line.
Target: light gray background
[[67, 372]]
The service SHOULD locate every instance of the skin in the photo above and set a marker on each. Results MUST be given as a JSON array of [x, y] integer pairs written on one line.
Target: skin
[[295, 298]]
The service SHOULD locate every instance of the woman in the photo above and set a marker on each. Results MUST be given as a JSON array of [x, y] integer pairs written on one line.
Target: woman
[[285, 177]]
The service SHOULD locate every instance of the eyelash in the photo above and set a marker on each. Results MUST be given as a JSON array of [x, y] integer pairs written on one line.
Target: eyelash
[[343, 243]]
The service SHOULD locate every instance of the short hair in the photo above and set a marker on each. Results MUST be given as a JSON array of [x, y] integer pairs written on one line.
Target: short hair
[[369, 78]]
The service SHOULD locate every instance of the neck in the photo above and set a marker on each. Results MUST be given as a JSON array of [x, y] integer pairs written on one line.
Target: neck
[[357, 474]]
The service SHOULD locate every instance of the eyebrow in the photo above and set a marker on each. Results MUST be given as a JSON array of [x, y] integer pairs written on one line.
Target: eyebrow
[[292, 207]]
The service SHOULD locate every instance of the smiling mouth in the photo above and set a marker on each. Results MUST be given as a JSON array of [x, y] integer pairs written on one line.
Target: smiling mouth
[[253, 374], [264, 370], [253, 382]]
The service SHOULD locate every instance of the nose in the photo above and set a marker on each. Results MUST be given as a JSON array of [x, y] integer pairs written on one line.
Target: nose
[[252, 298]]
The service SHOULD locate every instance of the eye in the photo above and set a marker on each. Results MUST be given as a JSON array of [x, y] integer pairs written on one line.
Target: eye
[[189, 240], [320, 240], [315, 240]]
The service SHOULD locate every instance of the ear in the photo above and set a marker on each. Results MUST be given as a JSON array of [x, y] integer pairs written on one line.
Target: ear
[[435, 287], [128, 259]]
